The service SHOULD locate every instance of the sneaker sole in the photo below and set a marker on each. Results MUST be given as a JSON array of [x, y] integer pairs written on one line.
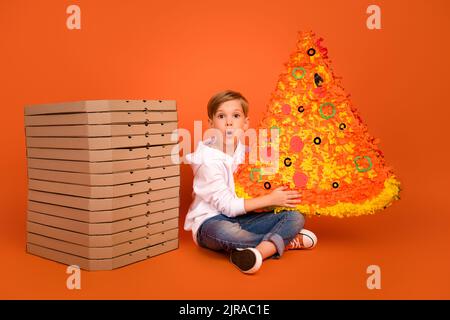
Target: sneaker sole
[[246, 260]]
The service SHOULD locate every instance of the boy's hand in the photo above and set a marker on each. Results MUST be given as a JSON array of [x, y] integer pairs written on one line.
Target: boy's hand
[[284, 198]]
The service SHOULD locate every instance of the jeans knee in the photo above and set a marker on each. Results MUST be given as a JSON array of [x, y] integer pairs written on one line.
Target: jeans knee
[[211, 233], [296, 219]]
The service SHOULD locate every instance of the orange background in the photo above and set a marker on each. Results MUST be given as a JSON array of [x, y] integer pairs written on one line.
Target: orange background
[[187, 51]]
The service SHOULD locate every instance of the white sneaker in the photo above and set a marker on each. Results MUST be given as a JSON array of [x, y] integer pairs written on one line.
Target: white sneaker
[[305, 239]]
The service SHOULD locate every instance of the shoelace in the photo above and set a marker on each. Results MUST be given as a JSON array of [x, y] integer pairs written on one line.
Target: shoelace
[[295, 243]]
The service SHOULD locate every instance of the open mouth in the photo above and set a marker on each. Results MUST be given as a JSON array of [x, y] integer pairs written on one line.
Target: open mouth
[[229, 132]]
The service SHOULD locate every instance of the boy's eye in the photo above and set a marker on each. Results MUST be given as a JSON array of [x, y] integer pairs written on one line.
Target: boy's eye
[[220, 116], [237, 115]]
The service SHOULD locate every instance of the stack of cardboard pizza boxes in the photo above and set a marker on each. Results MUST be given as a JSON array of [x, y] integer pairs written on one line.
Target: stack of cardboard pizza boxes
[[103, 181]]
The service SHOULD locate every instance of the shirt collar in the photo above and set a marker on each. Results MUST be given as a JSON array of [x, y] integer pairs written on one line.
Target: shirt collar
[[238, 155]]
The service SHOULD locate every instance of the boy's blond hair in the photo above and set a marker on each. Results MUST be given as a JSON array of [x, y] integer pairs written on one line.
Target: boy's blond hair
[[224, 96]]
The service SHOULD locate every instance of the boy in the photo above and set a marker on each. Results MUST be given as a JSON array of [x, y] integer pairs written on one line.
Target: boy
[[219, 220]]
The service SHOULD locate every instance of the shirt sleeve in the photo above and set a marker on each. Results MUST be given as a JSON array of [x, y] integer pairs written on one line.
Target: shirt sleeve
[[210, 185]]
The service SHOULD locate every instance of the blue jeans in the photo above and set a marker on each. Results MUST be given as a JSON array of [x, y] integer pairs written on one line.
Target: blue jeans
[[248, 230]]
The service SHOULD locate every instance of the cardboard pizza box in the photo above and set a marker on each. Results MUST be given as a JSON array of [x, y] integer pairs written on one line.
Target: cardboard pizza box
[[103, 240], [93, 118], [102, 228], [103, 155], [103, 167], [101, 130], [102, 252], [107, 216], [103, 191], [105, 203], [101, 143], [101, 106], [106, 179], [103, 264]]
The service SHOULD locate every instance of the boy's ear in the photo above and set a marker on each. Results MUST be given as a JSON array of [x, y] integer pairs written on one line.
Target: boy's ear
[[210, 123], [247, 123]]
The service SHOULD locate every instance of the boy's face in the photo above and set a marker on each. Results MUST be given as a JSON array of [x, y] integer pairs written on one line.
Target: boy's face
[[228, 118]]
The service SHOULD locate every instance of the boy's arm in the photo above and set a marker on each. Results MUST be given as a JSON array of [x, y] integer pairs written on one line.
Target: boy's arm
[[257, 203], [278, 197], [211, 186]]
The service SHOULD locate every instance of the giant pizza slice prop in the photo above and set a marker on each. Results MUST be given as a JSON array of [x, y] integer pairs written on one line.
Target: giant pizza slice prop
[[315, 142]]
